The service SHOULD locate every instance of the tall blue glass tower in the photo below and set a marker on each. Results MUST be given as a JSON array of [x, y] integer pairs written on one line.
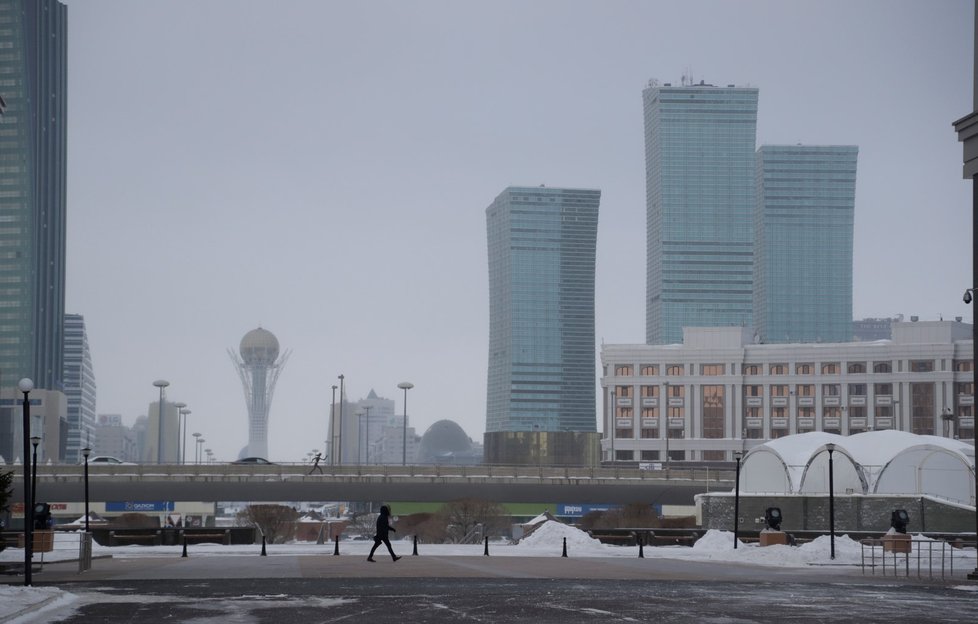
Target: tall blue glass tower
[[33, 157], [541, 310], [699, 176], [803, 243]]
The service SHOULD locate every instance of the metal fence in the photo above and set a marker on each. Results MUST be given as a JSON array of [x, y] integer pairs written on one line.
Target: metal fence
[[917, 556], [51, 547]]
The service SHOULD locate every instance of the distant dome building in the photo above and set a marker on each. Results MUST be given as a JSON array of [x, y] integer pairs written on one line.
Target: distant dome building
[[446, 443], [259, 366]]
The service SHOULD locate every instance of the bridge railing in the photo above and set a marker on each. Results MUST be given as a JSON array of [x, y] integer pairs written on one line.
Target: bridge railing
[[195, 472]]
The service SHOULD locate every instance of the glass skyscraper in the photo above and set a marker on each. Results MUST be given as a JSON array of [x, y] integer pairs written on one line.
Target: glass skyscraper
[[541, 310], [803, 243], [700, 142], [79, 382], [33, 65]]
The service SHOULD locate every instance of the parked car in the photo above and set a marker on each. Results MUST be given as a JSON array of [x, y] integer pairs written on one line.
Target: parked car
[[254, 461], [107, 460]]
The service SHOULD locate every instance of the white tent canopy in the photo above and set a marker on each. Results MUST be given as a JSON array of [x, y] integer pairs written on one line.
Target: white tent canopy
[[878, 462]]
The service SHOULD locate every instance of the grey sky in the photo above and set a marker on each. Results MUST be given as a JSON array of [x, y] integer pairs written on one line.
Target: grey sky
[[323, 169]]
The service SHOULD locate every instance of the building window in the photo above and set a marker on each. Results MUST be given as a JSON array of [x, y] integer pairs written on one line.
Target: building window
[[882, 367], [624, 392], [713, 420], [963, 366], [623, 412], [884, 416], [675, 391], [650, 412], [650, 432], [650, 455], [650, 391], [805, 390], [804, 368], [830, 368], [921, 366], [966, 422], [649, 370], [674, 370], [753, 391], [806, 419], [779, 390], [964, 387], [751, 369], [857, 389], [832, 420], [883, 389], [711, 370], [755, 434], [623, 370], [922, 408], [624, 455], [856, 367], [778, 369], [831, 390], [714, 456]]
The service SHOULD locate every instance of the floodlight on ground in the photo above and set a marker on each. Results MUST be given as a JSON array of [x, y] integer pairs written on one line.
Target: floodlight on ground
[[899, 520], [772, 518]]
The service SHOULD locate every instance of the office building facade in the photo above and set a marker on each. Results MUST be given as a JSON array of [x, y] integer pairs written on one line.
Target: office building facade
[[720, 392], [32, 204], [541, 244], [803, 220], [79, 384], [700, 143]]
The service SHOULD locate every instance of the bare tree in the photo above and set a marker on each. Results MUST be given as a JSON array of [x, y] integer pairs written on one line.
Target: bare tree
[[462, 517], [363, 524], [276, 522]]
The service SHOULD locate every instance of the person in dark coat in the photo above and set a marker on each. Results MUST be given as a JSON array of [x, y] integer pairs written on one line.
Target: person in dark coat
[[383, 526]]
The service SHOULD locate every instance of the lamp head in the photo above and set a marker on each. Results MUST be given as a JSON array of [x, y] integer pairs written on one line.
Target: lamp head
[[179, 405], [26, 384], [405, 385], [35, 440], [161, 383], [86, 452], [738, 455], [830, 447]]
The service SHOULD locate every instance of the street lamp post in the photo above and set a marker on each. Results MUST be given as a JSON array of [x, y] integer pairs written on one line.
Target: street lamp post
[[200, 448], [160, 383], [183, 446], [405, 386], [26, 385], [332, 428], [831, 449], [35, 440], [366, 438], [665, 414], [738, 455], [196, 446], [613, 426], [359, 415], [179, 405], [86, 452], [339, 459]]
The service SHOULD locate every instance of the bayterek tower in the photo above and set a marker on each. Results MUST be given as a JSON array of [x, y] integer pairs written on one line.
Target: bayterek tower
[[259, 366]]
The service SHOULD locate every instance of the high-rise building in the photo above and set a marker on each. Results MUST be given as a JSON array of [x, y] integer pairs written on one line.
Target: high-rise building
[[79, 383], [805, 202], [32, 175], [699, 172], [259, 366], [541, 310]]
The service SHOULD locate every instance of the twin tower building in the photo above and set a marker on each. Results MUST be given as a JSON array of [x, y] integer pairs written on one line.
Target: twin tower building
[[736, 236]]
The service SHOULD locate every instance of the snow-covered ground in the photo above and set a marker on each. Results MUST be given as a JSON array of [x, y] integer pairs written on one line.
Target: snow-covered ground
[[545, 541]]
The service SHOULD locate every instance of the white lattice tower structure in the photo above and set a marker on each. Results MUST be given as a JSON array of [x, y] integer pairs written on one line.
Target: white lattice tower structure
[[259, 366]]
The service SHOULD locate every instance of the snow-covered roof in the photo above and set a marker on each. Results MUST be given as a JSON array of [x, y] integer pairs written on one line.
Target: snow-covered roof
[[883, 462]]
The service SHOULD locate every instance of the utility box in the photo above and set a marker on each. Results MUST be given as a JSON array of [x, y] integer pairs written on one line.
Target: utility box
[[772, 538], [43, 541], [897, 543]]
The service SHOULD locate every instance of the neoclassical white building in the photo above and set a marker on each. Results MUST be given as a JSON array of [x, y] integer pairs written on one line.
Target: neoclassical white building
[[719, 391]]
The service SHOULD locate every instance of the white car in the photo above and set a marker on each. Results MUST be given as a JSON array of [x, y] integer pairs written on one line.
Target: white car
[[107, 460]]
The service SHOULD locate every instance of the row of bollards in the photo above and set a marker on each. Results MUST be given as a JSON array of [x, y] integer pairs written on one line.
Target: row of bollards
[[336, 547]]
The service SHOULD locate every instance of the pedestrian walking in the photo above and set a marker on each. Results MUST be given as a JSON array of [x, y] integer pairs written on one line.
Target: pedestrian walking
[[383, 527], [315, 465]]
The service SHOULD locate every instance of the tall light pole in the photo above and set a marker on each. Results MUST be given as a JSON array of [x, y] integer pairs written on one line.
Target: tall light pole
[[738, 455], [332, 428], [831, 448], [614, 426], [340, 453], [86, 452], [183, 445], [35, 440], [405, 386], [366, 439], [359, 414], [665, 413], [160, 383], [196, 446], [26, 385], [179, 405], [200, 448]]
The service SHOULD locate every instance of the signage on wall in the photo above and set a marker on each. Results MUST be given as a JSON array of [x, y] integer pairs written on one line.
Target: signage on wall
[[138, 506]]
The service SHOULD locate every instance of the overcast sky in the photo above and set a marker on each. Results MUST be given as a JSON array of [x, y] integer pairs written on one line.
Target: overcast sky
[[322, 169]]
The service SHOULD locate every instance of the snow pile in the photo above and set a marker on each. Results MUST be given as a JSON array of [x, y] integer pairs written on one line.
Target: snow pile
[[551, 534], [714, 540], [846, 548], [18, 601], [541, 518]]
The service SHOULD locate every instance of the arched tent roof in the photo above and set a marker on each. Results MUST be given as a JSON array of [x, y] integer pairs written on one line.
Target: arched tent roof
[[764, 465], [882, 462]]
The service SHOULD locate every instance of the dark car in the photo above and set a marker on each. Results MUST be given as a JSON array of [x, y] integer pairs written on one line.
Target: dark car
[[254, 461]]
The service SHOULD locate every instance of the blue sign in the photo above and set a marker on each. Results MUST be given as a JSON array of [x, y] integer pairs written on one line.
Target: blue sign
[[139, 506], [578, 510]]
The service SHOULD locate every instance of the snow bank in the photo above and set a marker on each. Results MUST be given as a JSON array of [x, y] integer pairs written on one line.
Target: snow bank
[[552, 533]]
